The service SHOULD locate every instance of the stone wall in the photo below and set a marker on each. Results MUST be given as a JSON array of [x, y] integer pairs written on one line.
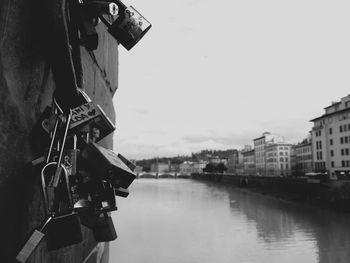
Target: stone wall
[[26, 87]]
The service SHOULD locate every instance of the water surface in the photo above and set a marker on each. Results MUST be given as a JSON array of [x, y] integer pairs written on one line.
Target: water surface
[[181, 220]]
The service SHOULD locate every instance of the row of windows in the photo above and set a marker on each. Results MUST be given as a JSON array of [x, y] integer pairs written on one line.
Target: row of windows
[[283, 148], [344, 151], [345, 163], [318, 155], [260, 142], [286, 166], [303, 150], [320, 165], [344, 128], [345, 139], [275, 159], [318, 133], [318, 145], [304, 157]]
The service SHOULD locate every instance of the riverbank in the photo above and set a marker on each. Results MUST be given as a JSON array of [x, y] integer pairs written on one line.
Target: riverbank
[[332, 194]]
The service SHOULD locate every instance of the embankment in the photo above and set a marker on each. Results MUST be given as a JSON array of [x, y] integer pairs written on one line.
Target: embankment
[[333, 194]]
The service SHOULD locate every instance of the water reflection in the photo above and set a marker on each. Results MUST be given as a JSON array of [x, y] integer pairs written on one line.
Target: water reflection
[[284, 224], [170, 220]]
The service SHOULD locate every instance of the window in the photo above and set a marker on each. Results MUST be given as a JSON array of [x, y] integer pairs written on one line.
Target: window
[[332, 164], [342, 163], [331, 141], [341, 140], [330, 131], [281, 159], [342, 152], [347, 151], [345, 128], [320, 155], [346, 139], [332, 153], [340, 128]]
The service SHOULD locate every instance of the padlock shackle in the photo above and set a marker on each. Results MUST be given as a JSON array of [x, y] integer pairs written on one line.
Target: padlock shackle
[[84, 95], [46, 183], [64, 138], [44, 186], [48, 156]]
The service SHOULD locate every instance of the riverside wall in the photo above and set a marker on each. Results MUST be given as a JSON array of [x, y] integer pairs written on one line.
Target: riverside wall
[[26, 87], [333, 194]]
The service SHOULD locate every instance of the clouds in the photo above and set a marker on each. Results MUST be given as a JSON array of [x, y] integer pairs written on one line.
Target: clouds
[[219, 74]]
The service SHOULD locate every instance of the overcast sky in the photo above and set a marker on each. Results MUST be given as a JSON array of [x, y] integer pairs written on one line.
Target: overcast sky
[[217, 74]]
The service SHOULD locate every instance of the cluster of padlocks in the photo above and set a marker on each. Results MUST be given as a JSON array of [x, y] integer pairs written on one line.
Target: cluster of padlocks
[[79, 178]]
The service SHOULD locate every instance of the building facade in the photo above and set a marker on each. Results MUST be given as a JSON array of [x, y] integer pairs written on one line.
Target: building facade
[[232, 162], [259, 147], [278, 159], [304, 158], [331, 139], [249, 162]]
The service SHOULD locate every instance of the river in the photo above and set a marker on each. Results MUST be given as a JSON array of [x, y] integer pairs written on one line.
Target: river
[[188, 221]]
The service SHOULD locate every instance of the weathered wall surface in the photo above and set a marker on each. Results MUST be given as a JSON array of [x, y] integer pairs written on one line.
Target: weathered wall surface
[[26, 86]]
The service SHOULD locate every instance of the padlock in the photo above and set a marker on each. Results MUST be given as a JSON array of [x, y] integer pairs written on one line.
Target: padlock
[[83, 132], [92, 115], [54, 172], [122, 192], [106, 165], [129, 164], [32, 243], [129, 27], [104, 229], [105, 197], [63, 230], [93, 8]]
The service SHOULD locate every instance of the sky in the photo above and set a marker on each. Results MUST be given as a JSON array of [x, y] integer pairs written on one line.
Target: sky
[[217, 74]]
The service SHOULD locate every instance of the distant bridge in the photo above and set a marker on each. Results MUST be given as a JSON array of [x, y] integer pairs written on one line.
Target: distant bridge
[[163, 175]]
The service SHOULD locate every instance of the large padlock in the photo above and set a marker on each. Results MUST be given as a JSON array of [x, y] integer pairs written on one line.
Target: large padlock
[[91, 115], [129, 27], [104, 229], [63, 230], [106, 165]]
